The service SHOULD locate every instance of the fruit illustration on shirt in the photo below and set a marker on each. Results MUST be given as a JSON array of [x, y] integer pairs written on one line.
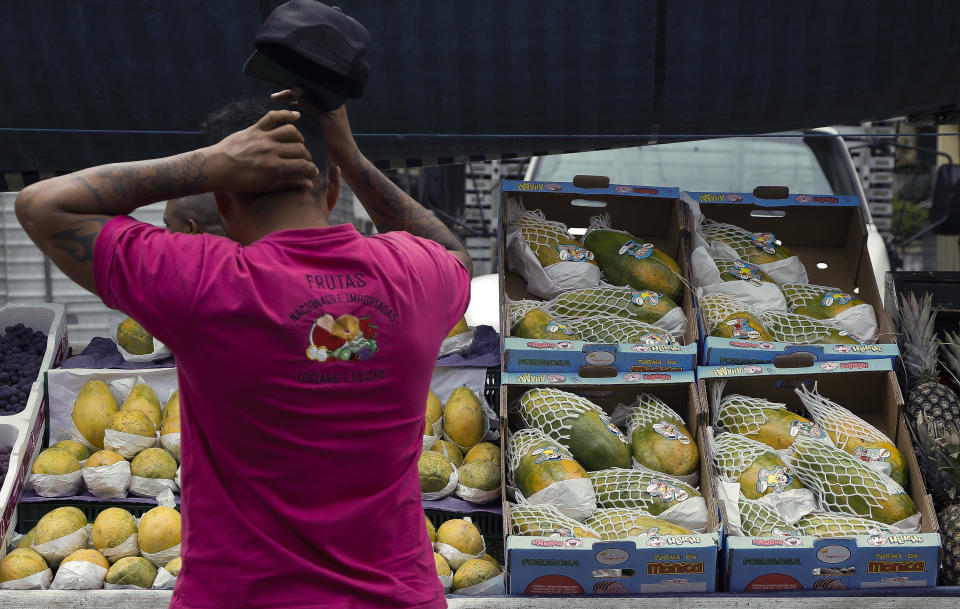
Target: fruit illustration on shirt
[[345, 338]]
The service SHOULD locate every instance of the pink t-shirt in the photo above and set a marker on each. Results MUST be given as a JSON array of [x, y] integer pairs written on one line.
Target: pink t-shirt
[[304, 361]]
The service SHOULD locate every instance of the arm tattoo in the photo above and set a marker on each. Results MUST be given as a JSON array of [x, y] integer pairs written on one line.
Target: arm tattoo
[[149, 181], [392, 209], [78, 242]]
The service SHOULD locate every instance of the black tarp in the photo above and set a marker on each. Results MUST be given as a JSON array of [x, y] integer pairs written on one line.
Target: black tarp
[[102, 80]]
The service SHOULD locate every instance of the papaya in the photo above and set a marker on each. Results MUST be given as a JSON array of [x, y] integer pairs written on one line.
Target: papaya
[[27, 539], [836, 525], [463, 418], [614, 524], [90, 556], [58, 523], [764, 422], [173, 567], [431, 530], [649, 491], [741, 270], [649, 306], [485, 451], [143, 398], [584, 430], [541, 325], [473, 572], [92, 410], [742, 326], [758, 248], [159, 530], [628, 260], [443, 568], [625, 302], [767, 474], [55, 461], [112, 527], [104, 457], [827, 304], [460, 328], [450, 451], [543, 464], [666, 446], [492, 560], [435, 471], [21, 563], [78, 450], [545, 521], [461, 534], [154, 463], [170, 426], [434, 412], [132, 422], [874, 450], [171, 410], [132, 571], [481, 475], [133, 338]]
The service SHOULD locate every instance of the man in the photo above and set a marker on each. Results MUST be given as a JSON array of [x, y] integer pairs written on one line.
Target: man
[[304, 355], [193, 215]]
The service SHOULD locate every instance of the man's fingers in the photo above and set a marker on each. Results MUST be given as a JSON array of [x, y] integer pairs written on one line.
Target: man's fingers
[[275, 117], [285, 94], [293, 151], [287, 133]]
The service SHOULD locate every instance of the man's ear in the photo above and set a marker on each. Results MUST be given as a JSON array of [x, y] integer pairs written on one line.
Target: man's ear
[[191, 227], [333, 187]]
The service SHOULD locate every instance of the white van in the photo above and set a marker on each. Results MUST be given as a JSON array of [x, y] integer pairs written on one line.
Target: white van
[[815, 161]]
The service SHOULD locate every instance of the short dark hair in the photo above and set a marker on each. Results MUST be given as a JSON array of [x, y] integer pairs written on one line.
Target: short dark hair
[[240, 114]]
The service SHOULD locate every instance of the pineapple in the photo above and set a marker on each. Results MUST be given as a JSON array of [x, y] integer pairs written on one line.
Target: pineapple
[[928, 398], [938, 449]]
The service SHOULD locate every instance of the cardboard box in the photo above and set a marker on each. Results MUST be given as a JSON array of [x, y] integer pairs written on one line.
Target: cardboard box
[[655, 214], [829, 235], [815, 563], [539, 566]]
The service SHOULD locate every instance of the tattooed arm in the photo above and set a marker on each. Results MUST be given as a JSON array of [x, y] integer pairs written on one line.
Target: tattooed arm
[[64, 215], [389, 207]]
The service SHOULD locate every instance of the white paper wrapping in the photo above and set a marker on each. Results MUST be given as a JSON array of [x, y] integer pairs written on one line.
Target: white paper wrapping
[[793, 504], [691, 479], [166, 499], [766, 297], [150, 487], [445, 491], [56, 550], [475, 495], [574, 498], [162, 557], [457, 344], [550, 281], [108, 481], [122, 587], [446, 581], [910, 524], [455, 558], [37, 581], [69, 431], [491, 587], [127, 444], [160, 351], [861, 321], [79, 575], [165, 580], [57, 485], [126, 548], [674, 323], [788, 270], [728, 493], [428, 442], [690, 514], [177, 479], [171, 442]]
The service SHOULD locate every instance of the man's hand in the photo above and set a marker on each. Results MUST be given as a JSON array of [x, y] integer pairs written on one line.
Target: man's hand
[[264, 157], [336, 126]]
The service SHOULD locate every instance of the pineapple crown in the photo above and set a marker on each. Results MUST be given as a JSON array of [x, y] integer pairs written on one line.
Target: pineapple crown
[[918, 338]]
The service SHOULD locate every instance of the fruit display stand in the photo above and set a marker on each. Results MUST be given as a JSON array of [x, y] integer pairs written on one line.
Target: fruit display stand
[[868, 389], [643, 565], [828, 235], [655, 215]]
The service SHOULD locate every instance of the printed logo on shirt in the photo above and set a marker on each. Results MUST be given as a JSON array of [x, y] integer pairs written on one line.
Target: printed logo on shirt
[[346, 338]]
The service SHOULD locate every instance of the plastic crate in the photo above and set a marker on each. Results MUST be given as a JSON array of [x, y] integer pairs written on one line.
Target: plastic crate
[[491, 386], [489, 525], [29, 514]]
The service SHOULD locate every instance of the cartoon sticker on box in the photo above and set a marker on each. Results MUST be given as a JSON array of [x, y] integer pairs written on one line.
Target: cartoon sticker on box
[[574, 253], [556, 326], [638, 297], [639, 251], [740, 328], [778, 478], [670, 431], [665, 491], [346, 338], [804, 198], [734, 198], [556, 378], [623, 189], [553, 187], [838, 298], [764, 241], [744, 271]]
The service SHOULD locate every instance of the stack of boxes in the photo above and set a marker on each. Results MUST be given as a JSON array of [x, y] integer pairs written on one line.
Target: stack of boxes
[[828, 236]]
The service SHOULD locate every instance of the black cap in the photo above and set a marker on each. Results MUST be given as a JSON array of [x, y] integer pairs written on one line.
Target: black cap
[[307, 43]]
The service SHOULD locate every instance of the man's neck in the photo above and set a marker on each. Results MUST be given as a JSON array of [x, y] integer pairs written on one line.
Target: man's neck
[[290, 210]]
